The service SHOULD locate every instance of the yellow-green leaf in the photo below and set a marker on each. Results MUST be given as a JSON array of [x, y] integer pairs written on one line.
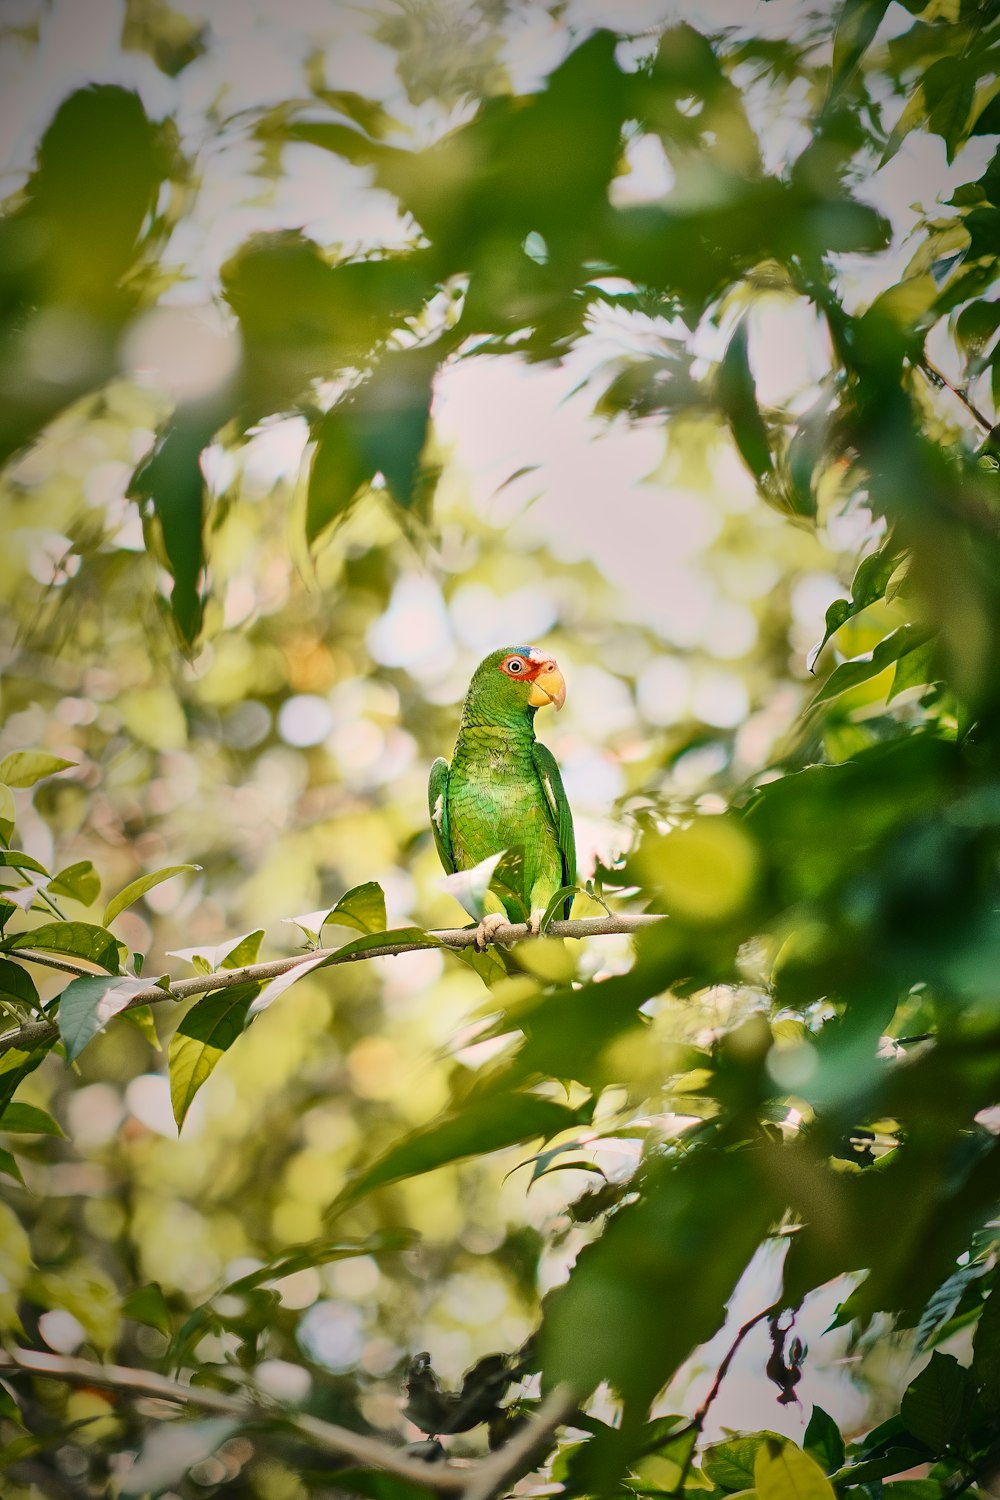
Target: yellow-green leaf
[[206, 1032], [25, 767], [783, 1472], [139, 887]]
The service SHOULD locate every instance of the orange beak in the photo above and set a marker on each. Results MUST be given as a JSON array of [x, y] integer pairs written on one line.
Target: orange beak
[[548, 686]]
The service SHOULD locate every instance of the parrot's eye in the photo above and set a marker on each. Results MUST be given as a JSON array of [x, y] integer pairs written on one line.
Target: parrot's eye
[[514, 665]]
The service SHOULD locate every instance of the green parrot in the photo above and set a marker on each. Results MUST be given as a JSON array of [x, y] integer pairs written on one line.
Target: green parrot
[[503, 790]]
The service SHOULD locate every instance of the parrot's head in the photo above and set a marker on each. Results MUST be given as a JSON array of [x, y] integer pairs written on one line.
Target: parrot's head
[[512, 682]]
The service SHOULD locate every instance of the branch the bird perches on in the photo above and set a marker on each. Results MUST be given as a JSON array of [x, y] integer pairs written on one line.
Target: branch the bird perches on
[[40, 1033]]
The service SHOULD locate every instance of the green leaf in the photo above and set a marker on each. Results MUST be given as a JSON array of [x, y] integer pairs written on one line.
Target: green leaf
[[870, 583], [338, 474], [851, 674], [321, 1252], [895, 1461], [469, 886], [170, 479], [986, 1346], [28, 1119], [25, 767], [9, 1167], [362, 908], [934, 1405], [147, 1304], [206, 1032], [783, 1472], [737, 395], [170, 1450], [14, 859], [482, 1126], [137, 888], [857, 24], [8, 813], [141, 1017], [80, 882], [88, 1004], [208, 958], [944, 1301], [915, 669], [79, 939], [824, 1441], [17, 984], [555, 905], [730, 1465], [245, 952], [282, 982]]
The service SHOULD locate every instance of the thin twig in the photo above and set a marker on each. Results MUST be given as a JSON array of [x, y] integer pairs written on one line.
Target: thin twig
[[41, 1033], [939, 379], [340, 1442], [495, 1475], [698, 1420]]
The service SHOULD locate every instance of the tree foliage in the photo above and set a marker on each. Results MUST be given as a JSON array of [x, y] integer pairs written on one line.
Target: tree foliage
[[775, 1104]]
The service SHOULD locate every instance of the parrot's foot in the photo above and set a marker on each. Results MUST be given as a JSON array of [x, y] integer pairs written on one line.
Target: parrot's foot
[[488, 928], [535, 921]]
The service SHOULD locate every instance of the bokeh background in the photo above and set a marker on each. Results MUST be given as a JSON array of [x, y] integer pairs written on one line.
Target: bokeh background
[[286, 751]]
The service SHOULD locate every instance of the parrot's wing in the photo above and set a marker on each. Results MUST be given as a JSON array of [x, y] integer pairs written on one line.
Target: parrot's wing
[[559, 809], [437, 801]]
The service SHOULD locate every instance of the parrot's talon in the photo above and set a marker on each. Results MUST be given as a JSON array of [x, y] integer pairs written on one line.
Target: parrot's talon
[[535, 922], [487, 930]]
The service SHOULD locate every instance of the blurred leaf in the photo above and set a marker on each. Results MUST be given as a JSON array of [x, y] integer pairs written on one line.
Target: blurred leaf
[[207, 1031], [172, 481], [13, 859], [170, 1450], [945, 1300], [147, 1304], [481, 1126], [8, 812], [857, 23], [169, 37], [78, 939], [81, 882], [338, 474], [934, 1405], [598, 1326], [25, 767], [28, 1119], [136, 888], [9, 1167], [469, 887], [322, 1252], [783, 1472], [737, 396], [88, 1004], [270, 991]]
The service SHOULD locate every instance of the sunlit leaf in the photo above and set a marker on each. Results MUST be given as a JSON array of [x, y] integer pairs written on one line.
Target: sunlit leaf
[[28, 1119], [139, 887], [362, 908], [851, 674], [488, 1125], [245, 952], [80, 881], [205, 1034], [25, 767], [75, 939], [783, 1472], [8, 812]]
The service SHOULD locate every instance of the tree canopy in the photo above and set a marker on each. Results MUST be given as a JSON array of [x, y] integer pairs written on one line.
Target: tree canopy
[[336, 349]]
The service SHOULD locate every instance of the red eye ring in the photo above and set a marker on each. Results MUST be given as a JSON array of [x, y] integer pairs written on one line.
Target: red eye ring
[[514, 666]]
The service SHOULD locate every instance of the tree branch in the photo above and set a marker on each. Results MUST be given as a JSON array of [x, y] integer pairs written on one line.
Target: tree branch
[[479, 1481], [340, 1442], [940, 381], [495, 1475], [40, 1033]]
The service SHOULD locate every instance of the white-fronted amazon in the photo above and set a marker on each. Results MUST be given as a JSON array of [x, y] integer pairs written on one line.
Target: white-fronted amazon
[[503, 790]]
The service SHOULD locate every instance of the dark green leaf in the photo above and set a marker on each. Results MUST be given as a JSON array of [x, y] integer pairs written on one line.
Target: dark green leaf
[[986, 1347], [172, 481], [88, 1004], [147, 1304], [340, 471], [934, 1405], [730, 1465], [78, 939], [857, 24], [945, 1300], [81, 882], [486, 1125], [737, 396], [9, 1167], [824, 1441], [28, 1119], [24, 767], [205, 1034], [137, 888], [17, 984]]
